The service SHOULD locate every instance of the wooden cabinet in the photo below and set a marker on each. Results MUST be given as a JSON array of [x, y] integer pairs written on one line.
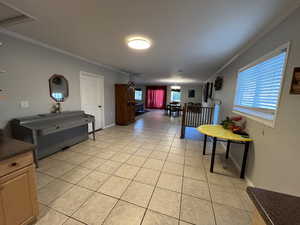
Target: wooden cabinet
[[18, 199], [125, 104]]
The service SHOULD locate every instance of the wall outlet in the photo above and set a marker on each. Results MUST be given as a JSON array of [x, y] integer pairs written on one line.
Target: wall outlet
[[24, 104]]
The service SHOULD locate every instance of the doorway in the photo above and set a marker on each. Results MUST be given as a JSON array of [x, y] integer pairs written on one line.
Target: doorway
[[92, 97]]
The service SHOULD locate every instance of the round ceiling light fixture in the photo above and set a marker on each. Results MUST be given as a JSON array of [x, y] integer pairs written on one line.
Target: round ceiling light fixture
[[139, 43]]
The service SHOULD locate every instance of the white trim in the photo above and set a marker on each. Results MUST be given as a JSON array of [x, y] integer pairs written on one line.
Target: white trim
[[82, 74], [270, 123], [39, 43], [110, 125], [258, 37], [268, 56], [19, 10], [237, 166]]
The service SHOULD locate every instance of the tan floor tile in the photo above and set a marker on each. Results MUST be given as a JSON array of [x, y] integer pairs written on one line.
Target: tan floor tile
[[247, 203], [125, 214], [109, 167], [96, 209], [196, 188], [194, 162], [77, 158], [106, 154], [173, 168], [147, 176], [225, 197], [170, 181], [53, 190], [121, 157], [173, 158], [114, 186], [93, 163], [71, 200], [127, 171], [230, 216], [138, 193], [219, 179], [184, 223], [154, 218], [52, 217], [73, 222], [196, 211], [154, 164], [75, 175], [142, 152], [43, 209], [165, 202], [43, 179], [94, 180], [194, 173], [159, 155], [59, 169], [136, 160]]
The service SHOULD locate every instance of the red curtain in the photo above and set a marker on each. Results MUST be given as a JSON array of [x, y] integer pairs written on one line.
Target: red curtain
[[156, 97]]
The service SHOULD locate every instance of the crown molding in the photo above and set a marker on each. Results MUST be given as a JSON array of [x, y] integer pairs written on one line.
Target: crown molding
[[41, 44], [258, 37]]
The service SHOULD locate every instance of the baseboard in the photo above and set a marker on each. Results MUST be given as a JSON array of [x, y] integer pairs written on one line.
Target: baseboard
[[110, 125], [249, 182]]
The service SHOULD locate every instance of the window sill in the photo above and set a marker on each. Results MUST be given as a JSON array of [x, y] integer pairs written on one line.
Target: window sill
[[256, 117]]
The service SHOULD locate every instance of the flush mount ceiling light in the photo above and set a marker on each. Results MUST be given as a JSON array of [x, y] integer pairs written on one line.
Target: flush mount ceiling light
[[139, 43]]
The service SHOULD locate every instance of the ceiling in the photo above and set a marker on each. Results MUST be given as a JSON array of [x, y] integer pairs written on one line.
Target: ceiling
[[192, 39]]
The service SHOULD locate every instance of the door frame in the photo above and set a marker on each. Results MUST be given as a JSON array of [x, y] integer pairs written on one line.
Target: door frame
[[100, 77]]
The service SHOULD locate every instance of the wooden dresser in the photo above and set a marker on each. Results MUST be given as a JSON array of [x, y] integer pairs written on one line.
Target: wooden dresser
[[18, 195], [125, 104]]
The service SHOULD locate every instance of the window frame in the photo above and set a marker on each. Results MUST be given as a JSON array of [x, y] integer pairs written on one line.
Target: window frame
[[138, 89], [175, 90], [257, 113]]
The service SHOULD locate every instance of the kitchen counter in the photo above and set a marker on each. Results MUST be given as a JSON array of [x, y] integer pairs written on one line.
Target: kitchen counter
[[276, 208], [11, 147]]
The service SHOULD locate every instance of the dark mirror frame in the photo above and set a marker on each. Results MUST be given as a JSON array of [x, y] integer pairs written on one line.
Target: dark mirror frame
[[50, 86]]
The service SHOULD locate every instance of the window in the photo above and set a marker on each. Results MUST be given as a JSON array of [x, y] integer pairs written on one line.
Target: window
[[175, 94], [259, 86], [138, 94]]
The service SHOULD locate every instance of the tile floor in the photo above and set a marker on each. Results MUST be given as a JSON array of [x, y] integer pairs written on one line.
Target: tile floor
[[140, 174]]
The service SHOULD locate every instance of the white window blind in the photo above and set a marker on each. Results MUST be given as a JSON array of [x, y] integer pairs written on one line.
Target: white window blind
[[259, 86]]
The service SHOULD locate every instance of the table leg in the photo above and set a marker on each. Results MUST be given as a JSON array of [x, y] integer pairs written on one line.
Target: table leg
[[35, 152], [93, 125], [227, 149], [204, 144], [213, 155], [244, 159]]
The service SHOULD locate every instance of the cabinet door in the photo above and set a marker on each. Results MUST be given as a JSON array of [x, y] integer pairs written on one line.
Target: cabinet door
[[18, 196], [2, 219]]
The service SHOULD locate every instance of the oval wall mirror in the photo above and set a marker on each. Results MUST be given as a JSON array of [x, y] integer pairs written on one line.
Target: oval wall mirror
[[59, 88]]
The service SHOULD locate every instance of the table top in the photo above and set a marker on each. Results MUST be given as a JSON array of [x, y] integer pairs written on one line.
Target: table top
[[276, 208], [219, 132]]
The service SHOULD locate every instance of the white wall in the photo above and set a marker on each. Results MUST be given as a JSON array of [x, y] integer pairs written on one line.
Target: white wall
[[28, 69], [274, 160]]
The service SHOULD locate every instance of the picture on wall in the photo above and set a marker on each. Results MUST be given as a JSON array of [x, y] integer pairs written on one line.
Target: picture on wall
[[191, 93]]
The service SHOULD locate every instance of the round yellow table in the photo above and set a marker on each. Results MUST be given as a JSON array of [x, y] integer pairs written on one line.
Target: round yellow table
[[217, 131]]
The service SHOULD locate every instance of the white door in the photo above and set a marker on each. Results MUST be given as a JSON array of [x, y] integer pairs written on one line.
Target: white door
[[92, 97]]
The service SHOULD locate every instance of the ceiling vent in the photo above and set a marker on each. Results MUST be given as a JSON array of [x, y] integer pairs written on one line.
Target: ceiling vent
[[10, 16]]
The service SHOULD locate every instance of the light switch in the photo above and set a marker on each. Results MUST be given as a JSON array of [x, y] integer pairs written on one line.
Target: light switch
[[24, 104]]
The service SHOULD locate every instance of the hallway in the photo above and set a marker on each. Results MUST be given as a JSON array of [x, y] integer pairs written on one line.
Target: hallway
[[141, 174]]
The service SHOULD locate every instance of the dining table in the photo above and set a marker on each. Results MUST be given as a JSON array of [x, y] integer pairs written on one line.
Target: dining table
[[219, 133]]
